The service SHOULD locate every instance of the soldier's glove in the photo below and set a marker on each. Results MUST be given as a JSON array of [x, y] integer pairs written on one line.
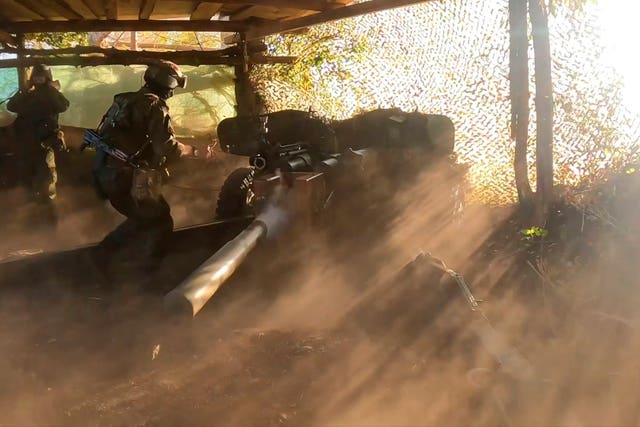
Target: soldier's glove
[[61, 147], [59, 143]]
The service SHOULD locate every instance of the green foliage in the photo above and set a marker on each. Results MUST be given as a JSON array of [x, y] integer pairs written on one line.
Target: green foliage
[[457, 65], [58, 40], [535, 233], [325, 53]]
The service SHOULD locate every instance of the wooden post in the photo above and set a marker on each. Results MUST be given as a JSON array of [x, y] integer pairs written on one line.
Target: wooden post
[[22, 71], [134, 40], [245, 98]]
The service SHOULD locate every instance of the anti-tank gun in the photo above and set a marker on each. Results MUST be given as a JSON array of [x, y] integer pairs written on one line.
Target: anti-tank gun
[[292, 147], [306, 159], [318, 155]]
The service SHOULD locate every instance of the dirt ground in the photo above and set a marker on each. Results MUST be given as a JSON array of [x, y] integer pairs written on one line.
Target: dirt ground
[[338, 327]]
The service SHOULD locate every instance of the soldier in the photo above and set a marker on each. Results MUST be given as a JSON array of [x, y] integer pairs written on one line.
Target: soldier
[[38, 132], [138, 124]]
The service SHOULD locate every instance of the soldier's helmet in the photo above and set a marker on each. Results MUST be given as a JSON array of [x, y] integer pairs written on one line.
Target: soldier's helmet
[[165, 75], [41, 74]]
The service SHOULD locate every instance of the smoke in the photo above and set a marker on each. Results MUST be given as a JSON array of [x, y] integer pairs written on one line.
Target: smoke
[[330, 326]]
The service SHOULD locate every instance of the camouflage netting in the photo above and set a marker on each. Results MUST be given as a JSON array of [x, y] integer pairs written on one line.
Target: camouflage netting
[[452, 58]]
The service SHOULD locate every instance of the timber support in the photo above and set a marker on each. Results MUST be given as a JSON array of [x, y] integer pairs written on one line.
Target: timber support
[[245, 96], [22, 69]]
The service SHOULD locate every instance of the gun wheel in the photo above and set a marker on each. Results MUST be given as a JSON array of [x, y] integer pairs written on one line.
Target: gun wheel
[[235, 198]]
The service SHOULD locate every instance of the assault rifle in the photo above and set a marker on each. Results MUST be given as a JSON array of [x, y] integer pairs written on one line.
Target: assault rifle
[[95, 141]]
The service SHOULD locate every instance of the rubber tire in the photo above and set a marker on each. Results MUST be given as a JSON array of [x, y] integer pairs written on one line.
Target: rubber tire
[[232, 200]]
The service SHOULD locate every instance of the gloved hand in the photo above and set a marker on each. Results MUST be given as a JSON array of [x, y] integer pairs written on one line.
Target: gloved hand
[[55, 142], [60, 145]]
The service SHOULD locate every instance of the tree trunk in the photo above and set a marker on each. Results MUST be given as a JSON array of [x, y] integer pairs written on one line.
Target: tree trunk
[[519, 90], [544, 105]]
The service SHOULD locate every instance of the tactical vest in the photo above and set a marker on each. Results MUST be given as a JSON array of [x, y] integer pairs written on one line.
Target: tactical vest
[[124, 125]]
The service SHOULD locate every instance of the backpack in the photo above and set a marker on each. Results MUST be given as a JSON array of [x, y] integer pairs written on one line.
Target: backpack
[[118, 116]]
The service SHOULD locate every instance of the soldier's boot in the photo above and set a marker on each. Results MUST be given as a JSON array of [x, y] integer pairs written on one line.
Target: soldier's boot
[[99, 260], [102, 255], [155, 245]]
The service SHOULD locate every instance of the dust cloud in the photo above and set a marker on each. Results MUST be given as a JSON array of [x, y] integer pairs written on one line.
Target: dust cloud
[[337, 326]]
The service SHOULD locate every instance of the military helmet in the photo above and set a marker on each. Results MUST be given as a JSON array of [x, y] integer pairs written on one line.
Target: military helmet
[[41, 74], [166, 75]]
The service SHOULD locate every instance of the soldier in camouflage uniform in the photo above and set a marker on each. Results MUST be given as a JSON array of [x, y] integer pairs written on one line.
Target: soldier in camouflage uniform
[[138, 124], [38, 133]]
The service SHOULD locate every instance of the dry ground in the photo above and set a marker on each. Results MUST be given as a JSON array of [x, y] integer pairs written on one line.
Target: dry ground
[[323, 329]]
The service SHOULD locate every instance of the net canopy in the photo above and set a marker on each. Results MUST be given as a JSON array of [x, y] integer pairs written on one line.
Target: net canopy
[[452, 58]]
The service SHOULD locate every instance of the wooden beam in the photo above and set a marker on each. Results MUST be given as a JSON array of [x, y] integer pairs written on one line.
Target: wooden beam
[[318, 5], [245, 13], [22, 70], [81, 7], [90, 50], [253, 48], [49, 8], [120, 25], [357, 9], [267, 59], [93, 61], [92, 56], [146, 8], [111, 7], [62, 8], [30, 6], [7, 38], [194, 58], [205, 10], [94, 8]]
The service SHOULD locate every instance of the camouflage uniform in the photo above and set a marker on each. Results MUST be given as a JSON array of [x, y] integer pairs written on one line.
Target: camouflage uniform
[[38, 133], [137, 123]]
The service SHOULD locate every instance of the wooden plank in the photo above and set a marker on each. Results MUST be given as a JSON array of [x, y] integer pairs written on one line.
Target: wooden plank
[[22, 70], [317, 5], [82, 8], [7, 38], [146, 8], [14, 10], [267, 59], [96, 7], [88, 50], [194, 58], [205, 10], [358, 9], [245, 13], [94, 61], [62, 8], [33, 8], [121, 25], [111, 8], [51, 8]]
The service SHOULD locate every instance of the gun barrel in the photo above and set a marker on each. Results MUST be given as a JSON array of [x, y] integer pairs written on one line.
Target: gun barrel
[[194, 292]]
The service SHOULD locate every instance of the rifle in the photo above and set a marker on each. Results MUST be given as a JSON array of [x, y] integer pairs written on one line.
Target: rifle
[[94, 140]]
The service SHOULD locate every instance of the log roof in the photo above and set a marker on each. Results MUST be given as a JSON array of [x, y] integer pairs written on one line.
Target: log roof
[[256, 18]]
